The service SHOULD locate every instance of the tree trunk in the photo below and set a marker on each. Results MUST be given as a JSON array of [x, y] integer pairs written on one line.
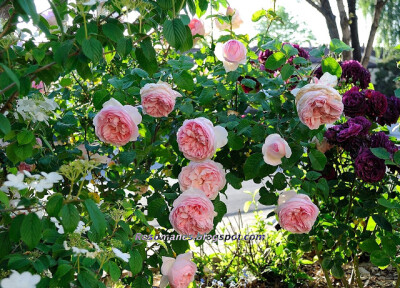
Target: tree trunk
[[344, 24], [375, 22], [355, 41], [324, 7]]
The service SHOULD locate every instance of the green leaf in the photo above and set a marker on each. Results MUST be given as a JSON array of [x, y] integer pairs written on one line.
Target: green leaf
[[5, 126], [318, 160], [337, 46], [184, 80], [379, 258], [220, 209], [391, 204], [327, 263], [331, 66], [135, 262], [98, 219], [62, 269], [313, 175], [235, 141], [369, 245], [11, 74], [234, 181], [267, 198], [113, 32], [29, 7], [188, 42], [124, 46], [287, 71], [279, 181], [290, 50], [70, 217], [318, 52], [252, 165], [100, 97], [275, 61], [127, 157], [258, 15], [54, 205], [62, 51], [38, 54], [114, 271], [5, 245], [174, 32], [31, 230], [4, 199], [146, 56], [396, 157], [93, 49], [382, 222], [249, 83], [397, 93], [389, 246], [381, 153], [142, 282], [87, 279], [337, 271], [25, 137], [156, 207]]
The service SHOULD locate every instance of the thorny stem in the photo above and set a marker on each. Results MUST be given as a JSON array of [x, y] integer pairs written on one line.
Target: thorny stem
[[326, 272], [358, 276]]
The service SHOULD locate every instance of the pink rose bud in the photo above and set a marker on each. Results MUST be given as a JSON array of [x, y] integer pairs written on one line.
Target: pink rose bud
[[208, 176], [158, 100], [197, 27], [179, 272], [319, 103], [296, 212], [50, 17], [274, 149], [230, 11], [116, 124], [231, 53], [39, 86], [192, 213], [198, 139], [236, 20]]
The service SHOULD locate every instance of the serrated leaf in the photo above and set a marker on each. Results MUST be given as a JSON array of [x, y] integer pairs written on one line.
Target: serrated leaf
[[29, 7], [11, 75], [127, 157], [331, 66], [275, 61], [70, 217], [98, 219], [381, 153], [135, 262], [258, 15], [382, 222], [54, 205], [4, 199], [337, 46], [156, 207], [93, 49], [233, 180], [279, 181], [25, 137], [318, 160], [184, 80], [114, 271], [379, 258], [287, 71], [113, 32], [31, 230], [369, 245], [5, 126], [174, 32], [252, 165]]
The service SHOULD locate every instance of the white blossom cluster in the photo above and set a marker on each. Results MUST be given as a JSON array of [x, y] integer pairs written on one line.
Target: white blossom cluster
[[81, 228], [36, 110], [38, 182], [23, 280]]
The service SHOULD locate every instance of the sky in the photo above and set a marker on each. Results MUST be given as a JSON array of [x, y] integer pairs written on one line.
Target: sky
[[300, 9]]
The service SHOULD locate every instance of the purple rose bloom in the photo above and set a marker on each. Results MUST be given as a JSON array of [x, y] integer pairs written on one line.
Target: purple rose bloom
[[369, 167], [353, 72], [353, 145], [391, 114], [376, 102], [358, 126], [354, 103], [380, 139], [318, 72]]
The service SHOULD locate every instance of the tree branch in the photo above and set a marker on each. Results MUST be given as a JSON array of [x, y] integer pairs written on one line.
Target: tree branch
[[312, 3]]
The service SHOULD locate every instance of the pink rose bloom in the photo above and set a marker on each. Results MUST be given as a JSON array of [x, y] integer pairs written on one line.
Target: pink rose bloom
[[231, 53], [197, 28], [198, 139], [179, 272], [296, 212], [236, 20], [322, 146], [116, 124], [158, 100], [39, 86], [50, 17], [192, 213], [274, 149], [319, 103], [25, 167], [208, 176]]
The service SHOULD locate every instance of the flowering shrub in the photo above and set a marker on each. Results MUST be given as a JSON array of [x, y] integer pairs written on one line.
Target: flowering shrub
[[126, 129]]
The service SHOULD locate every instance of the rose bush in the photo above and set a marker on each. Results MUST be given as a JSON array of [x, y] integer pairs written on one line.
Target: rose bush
[[127, 129]]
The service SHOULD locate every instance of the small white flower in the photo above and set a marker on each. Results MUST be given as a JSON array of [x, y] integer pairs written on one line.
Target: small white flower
[[16, 181], [123, 256], [52, 177], [81, 228], [41, 185], [66, 245], [58, 226], [78, 251], [96, 246], [23, 280]]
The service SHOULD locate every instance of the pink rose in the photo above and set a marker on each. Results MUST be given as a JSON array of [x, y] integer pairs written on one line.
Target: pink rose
[[274, 149], [39, 86], [116, 124], [208, 176], [179, 272], [322, 146], [319, 103], [25, 167], [198, 139], [296, 212], [158, 100], [192, 213], [197, 28], [50, 17], [236, 20], [231, 53]]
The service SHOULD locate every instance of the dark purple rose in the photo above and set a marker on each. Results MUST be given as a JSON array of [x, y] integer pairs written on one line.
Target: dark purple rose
[[376, 102], [354, 103], [329, 172], [380, 139], [364, 122], [248, 89], [358, 126], [391, 114], [353, 72], [369, 167], [318, 72], [354, 145]]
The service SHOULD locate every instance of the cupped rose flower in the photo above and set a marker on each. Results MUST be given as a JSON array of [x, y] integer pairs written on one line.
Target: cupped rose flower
[[198, 139], [208, 176], [319, 103], [158, 100], [179, 272], [296, 212], [354, 103], [232, 54], [369, 167], [50, 17], [377, 103], [274, 149], [236, 20], [116, 124], [197, 28], [193, 213], [380, 139], [392, 113]]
